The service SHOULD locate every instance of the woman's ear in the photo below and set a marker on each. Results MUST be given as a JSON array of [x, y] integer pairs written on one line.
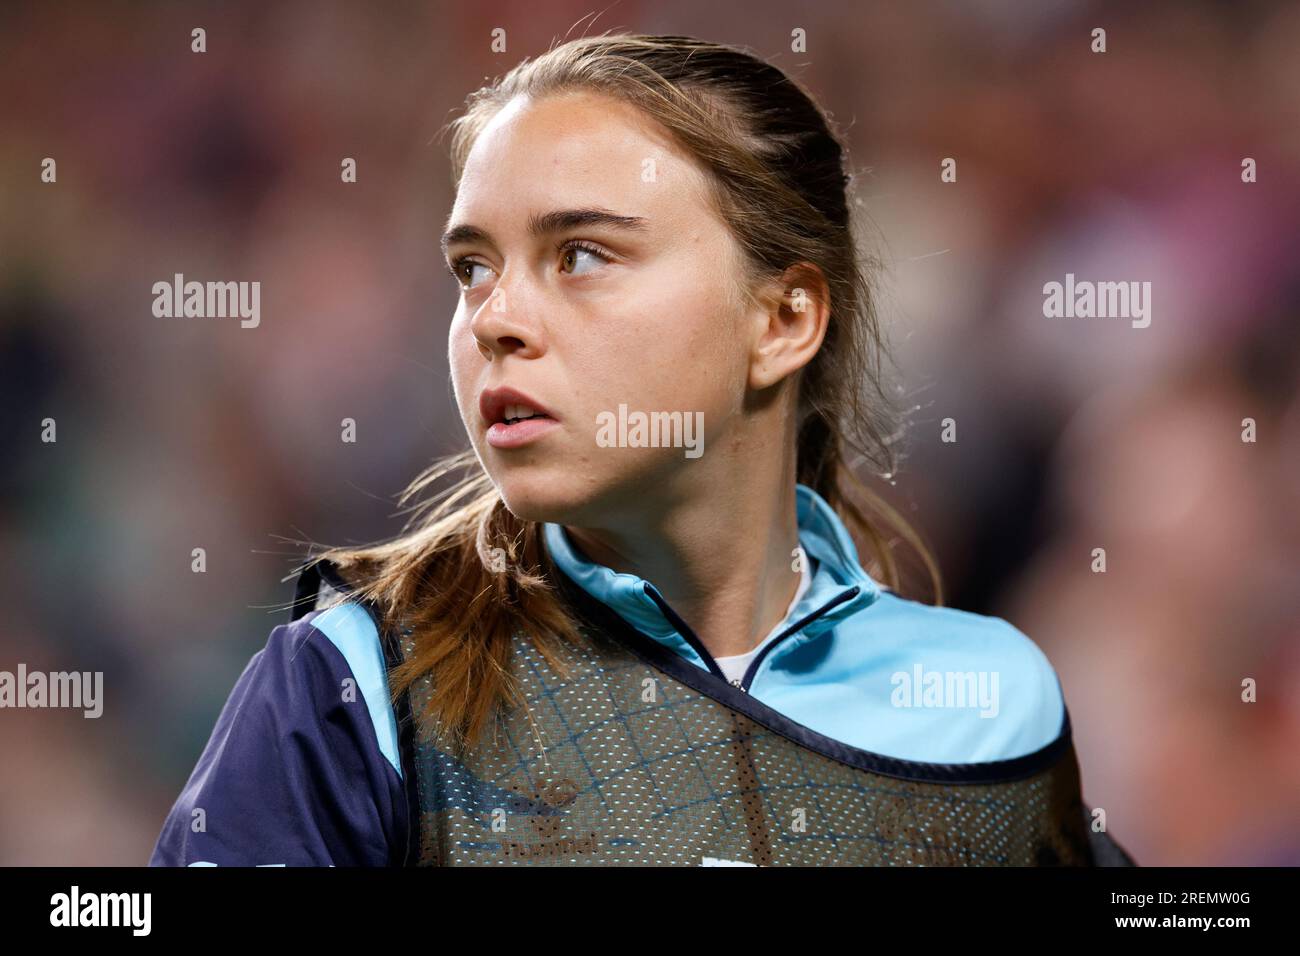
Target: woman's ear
[[790, 324]]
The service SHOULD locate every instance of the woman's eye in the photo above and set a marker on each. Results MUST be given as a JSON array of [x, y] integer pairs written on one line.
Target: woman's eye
[[463, 271], [576, 258], [573, 255]]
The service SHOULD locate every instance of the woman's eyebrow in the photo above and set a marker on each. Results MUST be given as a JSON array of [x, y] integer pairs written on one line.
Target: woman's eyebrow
[[546, 223]]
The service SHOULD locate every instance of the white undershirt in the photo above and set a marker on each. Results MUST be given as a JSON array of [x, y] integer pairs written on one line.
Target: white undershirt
[[735, 665]]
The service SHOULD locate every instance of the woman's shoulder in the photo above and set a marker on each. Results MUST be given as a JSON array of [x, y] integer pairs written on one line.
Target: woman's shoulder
[[345, 640], [977, 672], [302, 765], [957, 631]]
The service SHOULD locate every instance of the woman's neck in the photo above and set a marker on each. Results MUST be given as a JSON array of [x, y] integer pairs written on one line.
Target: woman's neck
[[724, 561]]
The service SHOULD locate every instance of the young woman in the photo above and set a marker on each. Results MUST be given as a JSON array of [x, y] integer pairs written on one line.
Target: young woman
[[638, 630]]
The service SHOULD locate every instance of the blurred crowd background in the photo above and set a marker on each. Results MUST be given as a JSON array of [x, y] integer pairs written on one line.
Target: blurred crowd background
[[1073, 434]]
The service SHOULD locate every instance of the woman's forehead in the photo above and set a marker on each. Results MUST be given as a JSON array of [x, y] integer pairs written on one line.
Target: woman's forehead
[[577, 150]]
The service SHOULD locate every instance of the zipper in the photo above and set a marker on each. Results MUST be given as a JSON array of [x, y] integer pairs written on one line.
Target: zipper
[[743, 684], [684, 630], [752, 669]]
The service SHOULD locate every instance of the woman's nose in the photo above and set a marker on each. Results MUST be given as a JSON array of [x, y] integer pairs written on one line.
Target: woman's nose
[[503, 324]]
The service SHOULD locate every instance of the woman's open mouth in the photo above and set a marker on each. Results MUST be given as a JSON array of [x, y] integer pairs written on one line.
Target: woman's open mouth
[[514, 418], [519, 425]]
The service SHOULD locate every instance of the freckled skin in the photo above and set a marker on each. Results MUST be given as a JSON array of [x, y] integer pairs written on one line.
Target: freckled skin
[[649, 330], [657, 328]]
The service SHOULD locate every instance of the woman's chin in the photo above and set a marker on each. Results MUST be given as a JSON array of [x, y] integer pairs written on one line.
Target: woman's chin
[[579, 496], [538, 498]]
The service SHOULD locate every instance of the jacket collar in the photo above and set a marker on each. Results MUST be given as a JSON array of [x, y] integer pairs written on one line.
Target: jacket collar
[[822, 535]]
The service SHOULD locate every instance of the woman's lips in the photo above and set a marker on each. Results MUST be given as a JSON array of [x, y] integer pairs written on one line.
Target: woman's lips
[[501, 435]]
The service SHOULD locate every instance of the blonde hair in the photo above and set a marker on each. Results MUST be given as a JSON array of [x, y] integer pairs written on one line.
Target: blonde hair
[[466, 574]]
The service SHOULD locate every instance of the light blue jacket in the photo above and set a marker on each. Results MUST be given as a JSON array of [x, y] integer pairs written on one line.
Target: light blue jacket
[[297, 773], [858, 663]]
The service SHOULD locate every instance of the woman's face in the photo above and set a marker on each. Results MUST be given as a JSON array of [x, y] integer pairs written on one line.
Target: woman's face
[[594, 273]]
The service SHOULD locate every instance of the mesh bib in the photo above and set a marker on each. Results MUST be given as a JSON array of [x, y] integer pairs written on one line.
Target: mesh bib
[[640, 757]]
